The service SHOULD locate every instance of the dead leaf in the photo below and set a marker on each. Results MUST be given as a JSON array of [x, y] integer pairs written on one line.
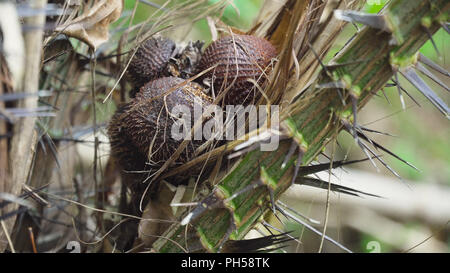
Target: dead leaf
[[92, 26]]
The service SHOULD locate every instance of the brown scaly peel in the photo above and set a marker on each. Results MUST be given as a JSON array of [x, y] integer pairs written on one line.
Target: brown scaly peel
[[139, 131], [238, 58], [149, 62]]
